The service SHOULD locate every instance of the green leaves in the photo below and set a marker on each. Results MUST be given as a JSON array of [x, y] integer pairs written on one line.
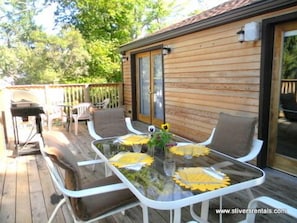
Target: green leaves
[[86, 50], [289, 70], [161, 138]]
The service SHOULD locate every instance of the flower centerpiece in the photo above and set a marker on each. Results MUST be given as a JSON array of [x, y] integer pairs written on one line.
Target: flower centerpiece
[[160, 139]]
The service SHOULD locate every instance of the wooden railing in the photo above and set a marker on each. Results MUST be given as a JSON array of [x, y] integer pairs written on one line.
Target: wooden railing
[[49, 95], [72, 94], [289, 86]]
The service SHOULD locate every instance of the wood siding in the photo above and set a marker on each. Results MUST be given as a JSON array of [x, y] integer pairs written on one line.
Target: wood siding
[[206, 73]]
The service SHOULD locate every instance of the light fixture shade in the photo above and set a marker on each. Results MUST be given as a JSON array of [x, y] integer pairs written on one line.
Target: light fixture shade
[[251, 31]]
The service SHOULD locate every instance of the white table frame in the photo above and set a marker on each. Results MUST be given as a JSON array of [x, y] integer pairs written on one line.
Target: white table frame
[[176, 205]]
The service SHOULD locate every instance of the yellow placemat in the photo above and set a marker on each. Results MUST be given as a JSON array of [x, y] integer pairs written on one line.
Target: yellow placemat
[[127, 158], [198, 150], [131, 139], [195, 178]]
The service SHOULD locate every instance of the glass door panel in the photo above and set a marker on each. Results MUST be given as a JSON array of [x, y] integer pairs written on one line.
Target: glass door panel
[[287, 123], [158, 100], [149, 87], [144, 85], [283, 127]]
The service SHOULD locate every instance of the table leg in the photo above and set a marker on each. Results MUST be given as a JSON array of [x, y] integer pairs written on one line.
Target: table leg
[[204, 210], [177, 215], [145, 217]]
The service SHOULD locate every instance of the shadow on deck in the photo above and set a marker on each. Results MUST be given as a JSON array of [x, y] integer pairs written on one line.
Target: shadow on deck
[[26, 188]]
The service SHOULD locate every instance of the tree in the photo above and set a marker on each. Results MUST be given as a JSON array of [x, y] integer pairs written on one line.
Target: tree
[[16, 24], [106, 24], [115, 20], [16, 21], [86, 50], [30, 56], [55, 59]]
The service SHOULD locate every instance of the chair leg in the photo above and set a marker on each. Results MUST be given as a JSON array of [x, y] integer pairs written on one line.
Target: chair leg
[[56, 210], [221, 206], [75, 126], [251, 197], [250, 194], [95, 159], [204, 212]]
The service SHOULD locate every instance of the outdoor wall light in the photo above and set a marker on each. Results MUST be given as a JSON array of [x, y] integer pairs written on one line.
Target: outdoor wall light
[[166, 50], [240, 35], [252, 31], [124, 58], [249, 32]]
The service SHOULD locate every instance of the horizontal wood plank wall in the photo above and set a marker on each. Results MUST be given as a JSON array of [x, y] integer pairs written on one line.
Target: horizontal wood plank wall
[[127, 87], [206, 73]]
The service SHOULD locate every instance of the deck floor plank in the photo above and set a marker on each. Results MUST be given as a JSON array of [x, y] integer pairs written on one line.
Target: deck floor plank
[[8, 199], [23, 192], [29, 174], [48, 189], [36, 192]]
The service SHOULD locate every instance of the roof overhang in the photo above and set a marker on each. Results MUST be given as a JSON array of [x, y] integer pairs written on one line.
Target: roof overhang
[[254, 9]]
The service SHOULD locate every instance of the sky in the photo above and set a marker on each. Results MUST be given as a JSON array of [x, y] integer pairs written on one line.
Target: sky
[[46, 18]]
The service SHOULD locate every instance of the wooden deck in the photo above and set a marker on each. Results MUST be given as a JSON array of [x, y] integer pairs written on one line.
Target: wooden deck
[[27, 187]]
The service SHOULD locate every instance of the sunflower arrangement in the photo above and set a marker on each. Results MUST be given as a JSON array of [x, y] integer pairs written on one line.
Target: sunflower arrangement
[[161, 138]]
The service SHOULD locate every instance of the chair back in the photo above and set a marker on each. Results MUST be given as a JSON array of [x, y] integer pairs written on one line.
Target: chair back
[[289, 106], [63, 158], [86, 201], [109, 122], [82, 111], [233, 135]]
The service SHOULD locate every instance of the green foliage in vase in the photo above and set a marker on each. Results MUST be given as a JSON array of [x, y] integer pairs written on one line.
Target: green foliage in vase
[[161, 138]]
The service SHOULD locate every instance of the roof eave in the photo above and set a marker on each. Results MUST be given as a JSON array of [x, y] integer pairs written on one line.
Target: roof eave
[[251, 10]]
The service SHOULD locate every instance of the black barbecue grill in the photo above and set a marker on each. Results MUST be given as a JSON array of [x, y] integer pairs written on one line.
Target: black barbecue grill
[[24, 105]]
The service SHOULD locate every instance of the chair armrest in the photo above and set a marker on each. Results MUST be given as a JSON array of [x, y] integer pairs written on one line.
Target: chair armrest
[[255, 150], [91, 191], [130, 127], [250, 217], [208, 141], [287, 110], [91, 130], [90, 162]]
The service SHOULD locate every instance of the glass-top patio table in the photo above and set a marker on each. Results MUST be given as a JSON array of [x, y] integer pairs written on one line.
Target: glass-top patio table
[[212, 174]]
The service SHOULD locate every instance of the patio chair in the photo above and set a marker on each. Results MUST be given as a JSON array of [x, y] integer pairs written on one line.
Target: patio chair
[[234, 136], [54, 112], [110, 122], [86, 202], [289, 106], [268, 201], [103, 104], [78, 113]]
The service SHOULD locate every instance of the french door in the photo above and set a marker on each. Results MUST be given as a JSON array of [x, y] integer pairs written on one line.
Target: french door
[[149, 87], [282, 142]]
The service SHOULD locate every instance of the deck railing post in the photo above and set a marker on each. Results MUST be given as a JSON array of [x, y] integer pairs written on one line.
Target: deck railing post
[[121, 92], [87, 93]]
